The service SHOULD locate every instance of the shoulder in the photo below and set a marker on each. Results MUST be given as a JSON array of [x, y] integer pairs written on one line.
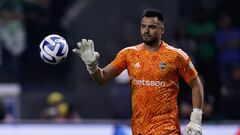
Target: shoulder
[[177, 52], [131, 49]]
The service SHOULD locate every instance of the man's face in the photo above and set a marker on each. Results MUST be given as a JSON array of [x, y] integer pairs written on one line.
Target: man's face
[[151, 30]]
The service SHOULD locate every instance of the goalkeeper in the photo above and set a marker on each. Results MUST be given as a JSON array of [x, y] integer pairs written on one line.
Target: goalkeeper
[[154, 68]]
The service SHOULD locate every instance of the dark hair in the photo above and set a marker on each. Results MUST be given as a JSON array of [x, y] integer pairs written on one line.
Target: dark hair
[[153, 13]]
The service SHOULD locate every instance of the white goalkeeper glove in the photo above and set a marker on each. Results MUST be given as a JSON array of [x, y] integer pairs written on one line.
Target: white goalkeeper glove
[[194, 126], [86, 51]]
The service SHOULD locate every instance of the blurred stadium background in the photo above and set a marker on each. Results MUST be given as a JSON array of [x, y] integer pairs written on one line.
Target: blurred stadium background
[[38, 98]]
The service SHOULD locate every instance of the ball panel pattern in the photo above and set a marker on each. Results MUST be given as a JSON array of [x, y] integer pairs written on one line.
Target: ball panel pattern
[[53, 49]]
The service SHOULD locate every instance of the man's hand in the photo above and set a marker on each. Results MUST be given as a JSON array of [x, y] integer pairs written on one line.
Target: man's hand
[[194, 126], [86, 51]]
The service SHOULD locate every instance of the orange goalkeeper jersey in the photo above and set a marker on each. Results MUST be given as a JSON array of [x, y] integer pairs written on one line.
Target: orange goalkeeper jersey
[[154, 83]]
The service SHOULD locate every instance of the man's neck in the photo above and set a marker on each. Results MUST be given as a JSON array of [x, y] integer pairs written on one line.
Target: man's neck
[[153, 48]]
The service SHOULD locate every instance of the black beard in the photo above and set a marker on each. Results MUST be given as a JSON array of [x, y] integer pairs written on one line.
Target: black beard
[[151, 42]]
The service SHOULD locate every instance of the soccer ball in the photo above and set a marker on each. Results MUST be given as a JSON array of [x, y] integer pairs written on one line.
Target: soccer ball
[[53, 49]]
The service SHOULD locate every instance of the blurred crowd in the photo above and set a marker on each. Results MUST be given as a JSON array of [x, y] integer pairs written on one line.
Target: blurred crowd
[[209, 31]]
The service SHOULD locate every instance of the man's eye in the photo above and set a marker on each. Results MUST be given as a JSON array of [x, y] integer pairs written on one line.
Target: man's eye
[[152, 26]]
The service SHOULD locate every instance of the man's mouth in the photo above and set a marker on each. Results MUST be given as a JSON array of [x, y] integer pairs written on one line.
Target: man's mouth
[[146, 35]]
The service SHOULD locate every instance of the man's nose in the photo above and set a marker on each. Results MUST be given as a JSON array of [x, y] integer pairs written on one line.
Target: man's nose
[[147, 30]]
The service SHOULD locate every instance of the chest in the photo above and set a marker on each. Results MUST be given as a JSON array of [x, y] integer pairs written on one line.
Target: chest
[[156, 66]]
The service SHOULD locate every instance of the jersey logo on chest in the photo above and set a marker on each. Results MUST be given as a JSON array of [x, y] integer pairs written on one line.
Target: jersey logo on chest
[[162, 65], [137, 65]]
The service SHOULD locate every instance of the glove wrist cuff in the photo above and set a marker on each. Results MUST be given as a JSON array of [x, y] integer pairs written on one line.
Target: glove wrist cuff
[[197, 110], [196, 116], [92, 68]]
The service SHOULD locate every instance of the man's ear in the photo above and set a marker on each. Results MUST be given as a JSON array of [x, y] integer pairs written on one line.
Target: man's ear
[[163, 29]]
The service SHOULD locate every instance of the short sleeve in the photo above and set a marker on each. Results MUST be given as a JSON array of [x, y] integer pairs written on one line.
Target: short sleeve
[[119, 61], [185, 67]]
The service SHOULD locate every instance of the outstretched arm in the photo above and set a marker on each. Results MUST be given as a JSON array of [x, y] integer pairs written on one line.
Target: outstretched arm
[[104, 75], [86, 52], [194, 126]]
